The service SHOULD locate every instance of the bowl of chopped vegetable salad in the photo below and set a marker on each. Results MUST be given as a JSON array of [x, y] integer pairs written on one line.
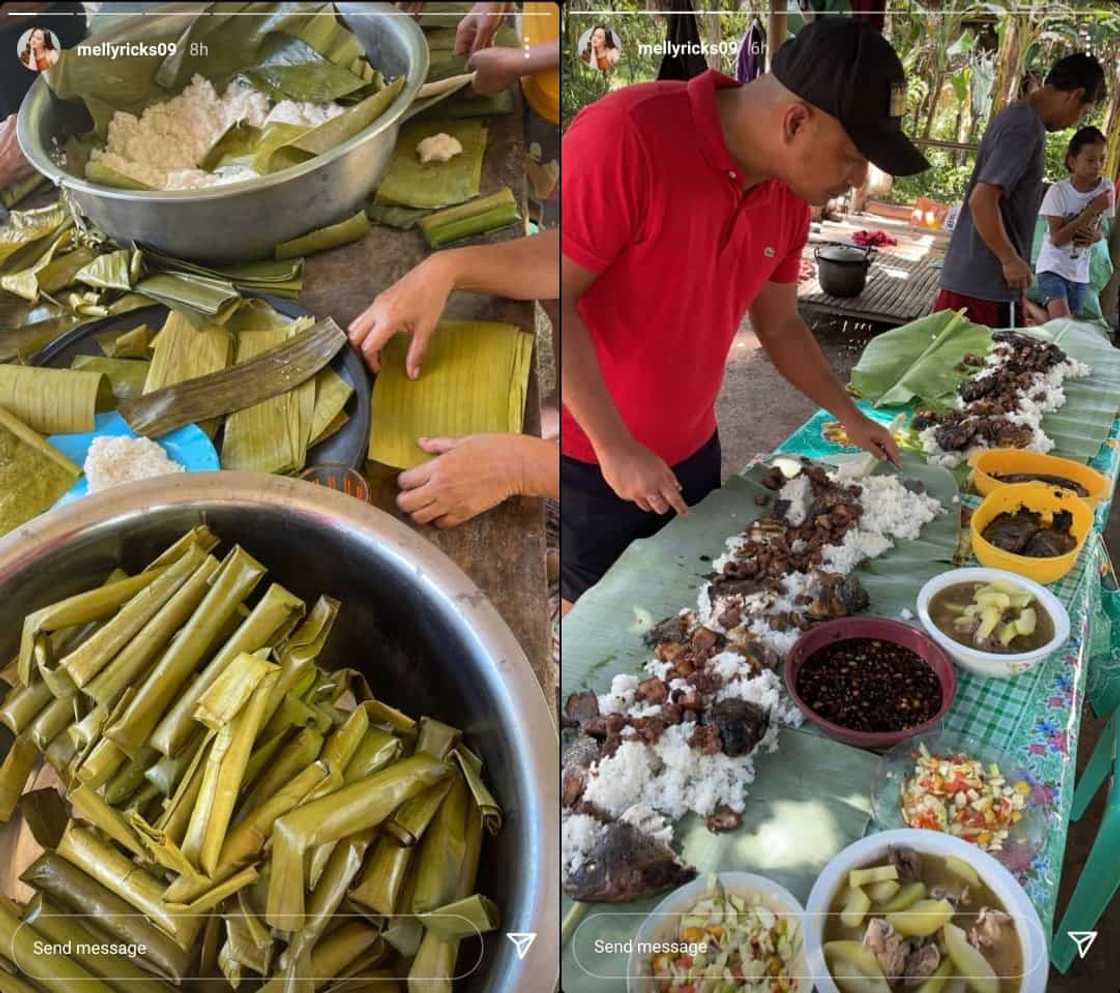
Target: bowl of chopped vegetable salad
[[735, 932]]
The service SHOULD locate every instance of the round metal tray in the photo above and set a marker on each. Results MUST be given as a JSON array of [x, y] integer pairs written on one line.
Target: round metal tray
[[347, 447]]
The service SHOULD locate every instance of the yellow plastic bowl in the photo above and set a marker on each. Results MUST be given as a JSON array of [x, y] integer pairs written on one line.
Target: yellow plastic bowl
[[989, 463], [1042, 499]]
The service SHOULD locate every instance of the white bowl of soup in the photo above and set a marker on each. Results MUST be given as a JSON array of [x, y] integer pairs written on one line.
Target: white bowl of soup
[[993, 622], [925, 908]]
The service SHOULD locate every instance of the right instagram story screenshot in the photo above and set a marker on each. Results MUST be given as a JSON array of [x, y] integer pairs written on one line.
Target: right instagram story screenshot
[[840, 433]]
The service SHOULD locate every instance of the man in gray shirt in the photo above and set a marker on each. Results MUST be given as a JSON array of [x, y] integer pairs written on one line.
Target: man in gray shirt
[[988, 265]]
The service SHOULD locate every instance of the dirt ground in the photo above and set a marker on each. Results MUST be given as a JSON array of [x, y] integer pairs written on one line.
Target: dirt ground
[[757, 409]]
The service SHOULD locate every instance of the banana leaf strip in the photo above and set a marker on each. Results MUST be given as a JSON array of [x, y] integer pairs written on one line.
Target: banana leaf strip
[[474, 217], [471, 765], [18, 766], [235, 579], [106, 912], [476, 377], [136, 886], [58, 927], [45, 814], [22, 704], [270, 619], [464, 918], [380, 885], [57, 973], [268, 375], [126, 376], [53, 401], [408, 182], [332, 236], [362, 804], [225, 768], [90, 657], [411, 820]]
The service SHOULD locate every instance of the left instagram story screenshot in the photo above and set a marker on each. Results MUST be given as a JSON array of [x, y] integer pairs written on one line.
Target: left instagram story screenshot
[[279, 482]]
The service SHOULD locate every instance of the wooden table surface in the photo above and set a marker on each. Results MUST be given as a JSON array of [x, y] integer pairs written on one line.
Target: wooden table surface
[[898, 290], [503, 550]]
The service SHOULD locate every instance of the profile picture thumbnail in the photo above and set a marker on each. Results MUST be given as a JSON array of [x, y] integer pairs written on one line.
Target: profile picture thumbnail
[[38, 49], [600, 47]]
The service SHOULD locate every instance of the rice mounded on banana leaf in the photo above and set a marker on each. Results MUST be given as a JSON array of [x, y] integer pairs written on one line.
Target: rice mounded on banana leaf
[[226, 801]]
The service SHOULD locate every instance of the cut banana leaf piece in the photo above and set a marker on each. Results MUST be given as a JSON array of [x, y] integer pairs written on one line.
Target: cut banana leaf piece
[[332, 393], [33, 473], [332, 236], [54, 401], [131, 344], [410, 183], [267, 375], [475, 380]]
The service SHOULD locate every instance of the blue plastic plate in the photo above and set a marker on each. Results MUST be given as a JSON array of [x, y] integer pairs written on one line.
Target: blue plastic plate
[[189, 446]]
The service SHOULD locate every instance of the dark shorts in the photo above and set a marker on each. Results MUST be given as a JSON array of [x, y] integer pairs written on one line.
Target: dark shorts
[[992, 313], [596, 525], [1055, 287]]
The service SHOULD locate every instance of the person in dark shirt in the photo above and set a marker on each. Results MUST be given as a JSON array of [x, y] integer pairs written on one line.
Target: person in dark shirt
[[16, 78], [988, 265]]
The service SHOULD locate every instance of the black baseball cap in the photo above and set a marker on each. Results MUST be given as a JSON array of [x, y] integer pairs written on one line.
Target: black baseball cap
[[847, 69]]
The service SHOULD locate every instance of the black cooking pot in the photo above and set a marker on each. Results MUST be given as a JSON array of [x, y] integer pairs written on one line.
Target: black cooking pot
[[842, 269]]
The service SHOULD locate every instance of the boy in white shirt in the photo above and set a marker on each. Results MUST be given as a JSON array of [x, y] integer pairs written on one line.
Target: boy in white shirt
[[1073, 209]]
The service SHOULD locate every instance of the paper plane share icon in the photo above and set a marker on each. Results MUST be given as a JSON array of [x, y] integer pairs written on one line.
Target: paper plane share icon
[[1083, 940], [522, 940]]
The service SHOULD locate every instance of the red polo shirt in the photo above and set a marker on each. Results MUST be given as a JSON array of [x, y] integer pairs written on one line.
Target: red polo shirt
[[652, 203]]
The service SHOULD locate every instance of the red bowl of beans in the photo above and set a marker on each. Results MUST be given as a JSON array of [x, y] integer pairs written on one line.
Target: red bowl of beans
[[870, 681]]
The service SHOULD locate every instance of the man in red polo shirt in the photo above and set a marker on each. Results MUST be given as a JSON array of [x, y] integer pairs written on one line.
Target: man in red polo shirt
[[686, 205]]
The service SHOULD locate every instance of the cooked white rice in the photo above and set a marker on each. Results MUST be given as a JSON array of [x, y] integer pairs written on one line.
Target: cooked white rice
[[115, 460]]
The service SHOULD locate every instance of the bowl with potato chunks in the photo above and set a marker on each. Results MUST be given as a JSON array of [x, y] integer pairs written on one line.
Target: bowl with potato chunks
[[992, 622], [922, 911]]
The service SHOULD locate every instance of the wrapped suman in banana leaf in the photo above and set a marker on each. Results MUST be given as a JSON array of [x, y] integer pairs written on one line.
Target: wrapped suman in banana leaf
[[282, 796]]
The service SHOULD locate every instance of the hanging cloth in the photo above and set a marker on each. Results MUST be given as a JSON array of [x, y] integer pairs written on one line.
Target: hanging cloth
[[752, 53], [682, 59]]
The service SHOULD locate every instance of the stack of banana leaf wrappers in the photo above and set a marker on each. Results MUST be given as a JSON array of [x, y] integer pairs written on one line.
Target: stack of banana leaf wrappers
[[224, 802], [923, 363]]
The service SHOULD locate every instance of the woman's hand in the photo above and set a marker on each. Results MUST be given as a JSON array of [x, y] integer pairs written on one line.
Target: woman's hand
[[637, 474], [413, 304], [476, 31], [494, 69], [471, 475], [13, 166]]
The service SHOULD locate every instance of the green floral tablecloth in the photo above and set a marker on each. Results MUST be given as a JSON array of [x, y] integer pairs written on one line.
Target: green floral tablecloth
[[1036, 717]]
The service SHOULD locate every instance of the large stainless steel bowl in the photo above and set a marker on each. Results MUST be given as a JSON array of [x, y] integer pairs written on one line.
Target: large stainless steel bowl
[[428, 639], [241, 220]]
